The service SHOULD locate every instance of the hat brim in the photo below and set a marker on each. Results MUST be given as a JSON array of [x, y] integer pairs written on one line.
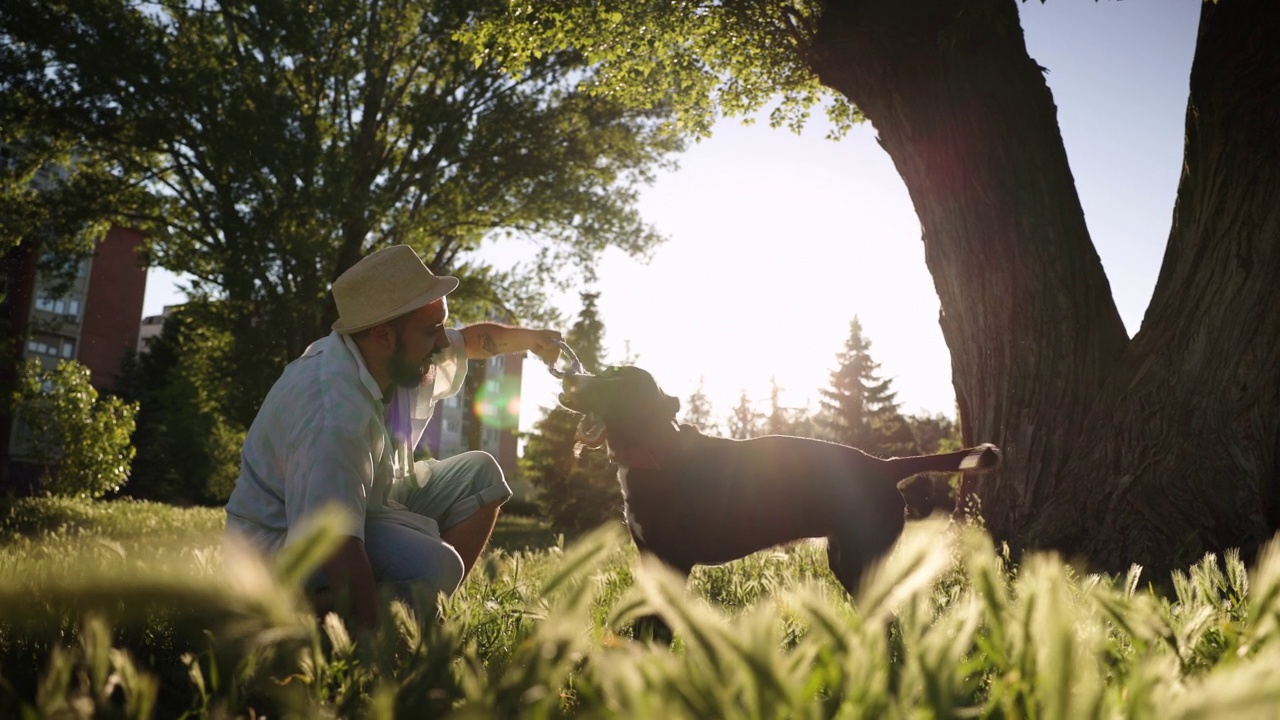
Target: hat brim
[[444, 285]]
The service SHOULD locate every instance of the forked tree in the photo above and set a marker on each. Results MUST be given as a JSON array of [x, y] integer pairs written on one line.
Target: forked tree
[[1153, 448]]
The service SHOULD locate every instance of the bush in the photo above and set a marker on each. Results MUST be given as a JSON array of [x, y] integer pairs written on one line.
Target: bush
[[79, 438], [188, 444]]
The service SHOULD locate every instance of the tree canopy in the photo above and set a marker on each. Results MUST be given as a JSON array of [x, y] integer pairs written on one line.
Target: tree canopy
[[274, 144]]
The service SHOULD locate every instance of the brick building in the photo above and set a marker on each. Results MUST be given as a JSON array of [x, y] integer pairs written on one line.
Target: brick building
[[94, 322]]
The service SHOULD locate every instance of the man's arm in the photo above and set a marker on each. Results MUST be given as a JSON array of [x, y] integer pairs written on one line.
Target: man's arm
[[351, 576], [484, 340]]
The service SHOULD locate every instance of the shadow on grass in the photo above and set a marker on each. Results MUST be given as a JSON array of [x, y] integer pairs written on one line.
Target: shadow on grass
[[39, 516], [521, 532]]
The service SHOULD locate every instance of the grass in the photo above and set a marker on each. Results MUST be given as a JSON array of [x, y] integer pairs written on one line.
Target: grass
[[124, 610]]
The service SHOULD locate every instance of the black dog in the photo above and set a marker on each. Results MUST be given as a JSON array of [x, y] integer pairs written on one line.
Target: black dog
[[691, 499]]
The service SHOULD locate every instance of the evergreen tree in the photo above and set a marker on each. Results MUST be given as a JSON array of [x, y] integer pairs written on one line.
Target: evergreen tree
[[188, 448], [575, 493], [698, 411], [859, 408], [745, 422], [786, 420]]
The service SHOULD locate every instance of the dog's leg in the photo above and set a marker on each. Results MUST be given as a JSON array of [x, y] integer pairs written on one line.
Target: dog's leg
[[652, 628], [845, 564]]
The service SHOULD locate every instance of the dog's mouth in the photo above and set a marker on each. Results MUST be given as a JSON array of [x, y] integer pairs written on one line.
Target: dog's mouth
[[591, 430]]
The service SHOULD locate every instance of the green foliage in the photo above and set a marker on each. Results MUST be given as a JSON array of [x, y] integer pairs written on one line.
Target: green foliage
[[80, 439], [932, 492], [577, 488], [188, 445], [703, 58], [934, 433], [46, 519], [56, 195], [943, 627], [859, 408], [277, 144]]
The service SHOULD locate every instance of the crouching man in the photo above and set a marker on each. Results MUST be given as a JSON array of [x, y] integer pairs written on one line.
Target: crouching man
[[340, 425]]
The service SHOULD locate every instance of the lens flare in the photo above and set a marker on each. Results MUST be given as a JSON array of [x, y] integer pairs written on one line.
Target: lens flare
[[498, 403]]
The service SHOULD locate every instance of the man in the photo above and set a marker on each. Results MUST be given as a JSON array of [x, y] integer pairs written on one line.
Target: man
[[340, 426]]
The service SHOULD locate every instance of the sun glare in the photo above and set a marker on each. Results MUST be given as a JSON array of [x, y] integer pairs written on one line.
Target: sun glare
[[497, 403]]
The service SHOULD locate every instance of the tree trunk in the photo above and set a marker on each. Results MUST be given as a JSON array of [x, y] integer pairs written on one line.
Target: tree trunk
[[1151, 450]]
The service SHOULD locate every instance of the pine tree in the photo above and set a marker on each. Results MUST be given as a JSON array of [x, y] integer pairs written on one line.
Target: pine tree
[[859, 408], [786, 420], [698, 411], [745, 422], [576, 493]]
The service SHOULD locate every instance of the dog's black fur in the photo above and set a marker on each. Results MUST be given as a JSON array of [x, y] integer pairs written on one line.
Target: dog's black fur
[[692, 499]]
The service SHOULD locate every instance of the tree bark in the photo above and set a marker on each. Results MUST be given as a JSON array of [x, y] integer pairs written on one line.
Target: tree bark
[[1152, 450]]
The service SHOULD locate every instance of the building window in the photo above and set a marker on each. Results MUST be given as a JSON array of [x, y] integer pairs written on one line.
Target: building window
[[58, 306], [52, 346]]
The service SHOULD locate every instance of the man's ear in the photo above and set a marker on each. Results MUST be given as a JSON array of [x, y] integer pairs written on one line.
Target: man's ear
[[382, 337]]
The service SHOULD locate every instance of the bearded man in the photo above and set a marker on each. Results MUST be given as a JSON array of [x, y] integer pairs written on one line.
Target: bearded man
[[340, 426]]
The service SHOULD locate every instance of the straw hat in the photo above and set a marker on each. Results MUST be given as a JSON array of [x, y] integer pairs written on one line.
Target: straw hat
[[386, 285]]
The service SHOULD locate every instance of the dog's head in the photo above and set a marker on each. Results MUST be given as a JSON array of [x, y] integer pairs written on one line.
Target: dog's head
[[622, 400]]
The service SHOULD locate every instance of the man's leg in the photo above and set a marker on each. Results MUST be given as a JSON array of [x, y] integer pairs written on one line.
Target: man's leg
[[470, 536], [463, 496]]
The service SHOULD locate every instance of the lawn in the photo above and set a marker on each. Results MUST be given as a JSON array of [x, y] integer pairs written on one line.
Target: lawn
[[124, 609]]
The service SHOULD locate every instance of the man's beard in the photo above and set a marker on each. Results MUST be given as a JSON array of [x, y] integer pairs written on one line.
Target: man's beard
[[403, 371]]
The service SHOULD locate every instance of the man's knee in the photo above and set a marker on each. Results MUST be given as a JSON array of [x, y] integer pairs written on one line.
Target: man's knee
[[448, 575], [438, 569], [484, 467], [488, 480]]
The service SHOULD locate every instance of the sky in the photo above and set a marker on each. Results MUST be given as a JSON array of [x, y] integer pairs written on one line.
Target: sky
[[776, 241]]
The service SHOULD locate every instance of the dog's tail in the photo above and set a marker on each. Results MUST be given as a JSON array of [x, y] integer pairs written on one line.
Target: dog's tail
[[970, 460]]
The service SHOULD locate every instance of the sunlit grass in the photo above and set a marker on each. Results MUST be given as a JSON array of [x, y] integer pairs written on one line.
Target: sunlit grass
[[98, 616]]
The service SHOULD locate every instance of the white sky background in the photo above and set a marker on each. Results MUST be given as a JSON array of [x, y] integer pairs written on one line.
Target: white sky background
[[776, 241]]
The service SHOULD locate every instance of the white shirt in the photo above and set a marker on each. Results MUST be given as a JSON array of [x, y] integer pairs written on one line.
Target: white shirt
[[323, 435]]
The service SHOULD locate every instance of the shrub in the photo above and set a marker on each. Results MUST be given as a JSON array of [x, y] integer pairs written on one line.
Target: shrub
[[79, 438]]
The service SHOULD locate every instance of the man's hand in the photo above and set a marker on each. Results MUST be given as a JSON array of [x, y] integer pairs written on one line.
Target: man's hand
[[546, 347], [350, 576]]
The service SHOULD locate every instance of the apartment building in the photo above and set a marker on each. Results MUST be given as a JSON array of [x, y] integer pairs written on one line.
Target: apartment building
[[151, 327], [94, 321], [484, 416]]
